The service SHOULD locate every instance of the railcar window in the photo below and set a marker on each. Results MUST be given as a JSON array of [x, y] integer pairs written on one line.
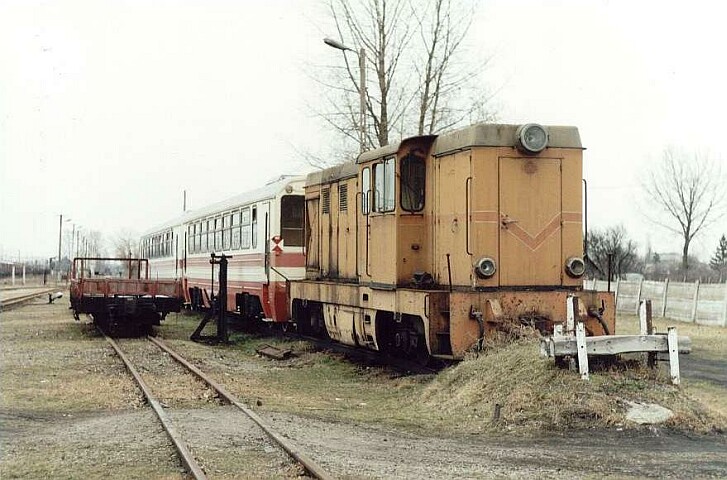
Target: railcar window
[[413, 176], [384, 178], [218, 233], [291, 220], [198, 238], [226, 233], [246, 229], [365, 190], [254, 227], [236, 231]]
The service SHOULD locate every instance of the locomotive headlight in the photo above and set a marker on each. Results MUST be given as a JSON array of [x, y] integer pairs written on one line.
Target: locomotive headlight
[[532, 138], [485, 267], [575, 267]]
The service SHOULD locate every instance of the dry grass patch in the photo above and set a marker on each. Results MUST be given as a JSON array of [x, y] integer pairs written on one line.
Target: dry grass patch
[[533, 394], [51, 364]]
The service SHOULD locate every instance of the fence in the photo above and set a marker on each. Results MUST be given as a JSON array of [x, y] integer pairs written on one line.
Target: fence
[[690, 302]]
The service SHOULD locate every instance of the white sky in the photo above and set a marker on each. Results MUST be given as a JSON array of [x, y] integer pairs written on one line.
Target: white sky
[[109, 110]]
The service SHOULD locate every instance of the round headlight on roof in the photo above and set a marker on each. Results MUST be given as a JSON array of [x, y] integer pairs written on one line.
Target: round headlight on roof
[[532, 138]]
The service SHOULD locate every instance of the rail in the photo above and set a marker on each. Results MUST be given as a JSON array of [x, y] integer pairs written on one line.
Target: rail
[[187, 459], [293, 450], [19, 300]]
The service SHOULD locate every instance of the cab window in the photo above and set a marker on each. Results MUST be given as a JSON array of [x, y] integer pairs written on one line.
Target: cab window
[[412, 177], [384, 178]]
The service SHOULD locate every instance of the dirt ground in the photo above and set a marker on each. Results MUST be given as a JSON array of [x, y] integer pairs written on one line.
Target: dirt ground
[[69, 410]]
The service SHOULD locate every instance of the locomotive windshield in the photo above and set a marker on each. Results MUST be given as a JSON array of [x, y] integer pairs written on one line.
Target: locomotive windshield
[[413, 173], [291, 219]]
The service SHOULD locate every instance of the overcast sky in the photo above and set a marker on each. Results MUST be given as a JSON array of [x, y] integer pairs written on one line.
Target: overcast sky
[[110, 109]]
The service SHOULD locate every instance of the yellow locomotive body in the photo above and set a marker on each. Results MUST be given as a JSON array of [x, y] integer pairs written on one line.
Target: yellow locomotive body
[[423, 247]]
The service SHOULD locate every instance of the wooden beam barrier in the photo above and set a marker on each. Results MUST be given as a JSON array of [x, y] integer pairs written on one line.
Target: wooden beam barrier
[[614, 344], [581, 346]]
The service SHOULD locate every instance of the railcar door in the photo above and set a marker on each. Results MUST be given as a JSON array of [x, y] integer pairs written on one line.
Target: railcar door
[[382, 225], [530, 221]]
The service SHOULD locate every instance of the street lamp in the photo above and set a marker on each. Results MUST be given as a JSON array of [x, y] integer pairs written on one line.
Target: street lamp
[[362, 85]]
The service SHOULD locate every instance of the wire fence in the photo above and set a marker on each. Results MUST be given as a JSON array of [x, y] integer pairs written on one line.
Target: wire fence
[[705, 303]]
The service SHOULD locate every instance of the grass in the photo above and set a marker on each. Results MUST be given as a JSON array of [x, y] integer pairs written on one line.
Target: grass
[[68, 407]]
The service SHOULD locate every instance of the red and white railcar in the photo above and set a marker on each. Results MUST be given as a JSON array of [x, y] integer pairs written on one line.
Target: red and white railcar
[[263, 231]]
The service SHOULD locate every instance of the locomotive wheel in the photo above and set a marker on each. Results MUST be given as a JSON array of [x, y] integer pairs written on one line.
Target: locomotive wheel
[[404, 339], [310, 320]]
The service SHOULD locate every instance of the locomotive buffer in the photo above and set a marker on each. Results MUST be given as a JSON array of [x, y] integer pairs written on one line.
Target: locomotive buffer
[[219, 305]]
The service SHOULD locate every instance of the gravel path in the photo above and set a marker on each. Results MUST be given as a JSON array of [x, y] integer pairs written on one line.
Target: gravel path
[[356, 451]]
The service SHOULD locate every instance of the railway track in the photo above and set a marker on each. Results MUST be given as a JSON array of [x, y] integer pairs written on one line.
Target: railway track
[[187, 458], [16, 301]]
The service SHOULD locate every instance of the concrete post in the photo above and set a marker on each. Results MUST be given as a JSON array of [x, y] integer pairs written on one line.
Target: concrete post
[[638, 295], [12, 269], [23, 274], [694, 303]]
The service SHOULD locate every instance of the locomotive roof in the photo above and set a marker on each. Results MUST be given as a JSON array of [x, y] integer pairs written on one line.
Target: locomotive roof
[[483, 135], [262, 193], [332, 174]]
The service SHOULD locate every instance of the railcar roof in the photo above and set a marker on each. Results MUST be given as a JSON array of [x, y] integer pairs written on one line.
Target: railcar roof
[[483, 135], [262, 193]]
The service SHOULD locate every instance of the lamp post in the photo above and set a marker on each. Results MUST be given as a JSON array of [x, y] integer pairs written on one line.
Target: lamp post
[[361, 88]]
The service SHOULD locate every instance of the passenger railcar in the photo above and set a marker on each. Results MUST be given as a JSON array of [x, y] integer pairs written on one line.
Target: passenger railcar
[[263, 232], [423, 247]]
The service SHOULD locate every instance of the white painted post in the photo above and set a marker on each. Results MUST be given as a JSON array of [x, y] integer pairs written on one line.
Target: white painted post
[[23, 274], [638, 295], [694, 303], [571, 313], [663, 300], [595, 284], [582, 351], [673, 341], [13, 274]]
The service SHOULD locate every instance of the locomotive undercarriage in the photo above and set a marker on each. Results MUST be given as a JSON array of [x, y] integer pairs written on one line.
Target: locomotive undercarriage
[[442, 324], [399, 335]]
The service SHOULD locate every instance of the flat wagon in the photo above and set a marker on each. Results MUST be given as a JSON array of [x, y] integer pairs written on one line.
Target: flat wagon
[[132, 301]]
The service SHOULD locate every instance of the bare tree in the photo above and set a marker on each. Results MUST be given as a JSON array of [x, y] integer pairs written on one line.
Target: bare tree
[[613, 242], [125, 244], [420, 84], [689, 192]]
